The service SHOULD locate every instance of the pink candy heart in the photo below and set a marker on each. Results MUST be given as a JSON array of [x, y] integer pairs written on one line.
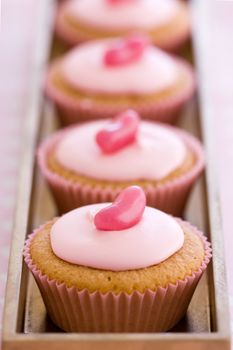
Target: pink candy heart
[[126, 50], [126, 211], [119, 133]]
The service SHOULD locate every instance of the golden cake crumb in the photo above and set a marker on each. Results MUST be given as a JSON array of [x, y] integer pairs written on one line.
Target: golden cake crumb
[[135, 101]]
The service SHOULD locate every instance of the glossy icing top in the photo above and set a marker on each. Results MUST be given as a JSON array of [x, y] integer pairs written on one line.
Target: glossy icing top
[[84, 69], [156, 152], [75, 239]]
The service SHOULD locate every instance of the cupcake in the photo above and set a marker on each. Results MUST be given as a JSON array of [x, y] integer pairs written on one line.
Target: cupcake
[[117, 267], [166, 22], [92, 162], [101, 78]]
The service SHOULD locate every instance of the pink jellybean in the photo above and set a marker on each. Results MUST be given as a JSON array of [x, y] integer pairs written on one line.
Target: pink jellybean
[[126, 211], [119, 133], [126, 50], [119, 2]]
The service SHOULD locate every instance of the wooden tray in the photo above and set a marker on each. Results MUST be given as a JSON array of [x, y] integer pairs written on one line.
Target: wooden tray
[[26, 325]]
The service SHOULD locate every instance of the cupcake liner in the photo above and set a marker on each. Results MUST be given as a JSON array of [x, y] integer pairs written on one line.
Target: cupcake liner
[[71, 110], [152, 311], [71, 37], [169, 197]]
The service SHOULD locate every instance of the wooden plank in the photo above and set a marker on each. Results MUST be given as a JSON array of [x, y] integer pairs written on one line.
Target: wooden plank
[[219, 299], [13, 312]]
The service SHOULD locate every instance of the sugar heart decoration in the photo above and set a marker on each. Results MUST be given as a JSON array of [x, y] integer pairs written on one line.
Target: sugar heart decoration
[[126, 50], [119, 133], [125, 212]]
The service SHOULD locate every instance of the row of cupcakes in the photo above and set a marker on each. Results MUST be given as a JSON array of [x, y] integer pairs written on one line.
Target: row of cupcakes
[[156, 84], [114, 264]]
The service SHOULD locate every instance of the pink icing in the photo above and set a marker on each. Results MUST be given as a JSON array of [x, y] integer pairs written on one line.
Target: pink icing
[[75, 239], [84, 68], [125, 212], [156, 152], [125, 16], [119, 133]]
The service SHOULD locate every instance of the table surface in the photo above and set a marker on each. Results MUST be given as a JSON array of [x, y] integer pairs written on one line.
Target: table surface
[[17, 44]]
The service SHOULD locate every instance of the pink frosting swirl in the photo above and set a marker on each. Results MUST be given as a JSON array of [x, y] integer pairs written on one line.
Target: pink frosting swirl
[[156, 152], [124, 16], [75, 239], [84, 68]]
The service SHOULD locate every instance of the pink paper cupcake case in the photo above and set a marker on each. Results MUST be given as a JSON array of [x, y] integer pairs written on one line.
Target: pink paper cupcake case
[[71, 111], [169, 197], [71, 37], [81, 311]]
